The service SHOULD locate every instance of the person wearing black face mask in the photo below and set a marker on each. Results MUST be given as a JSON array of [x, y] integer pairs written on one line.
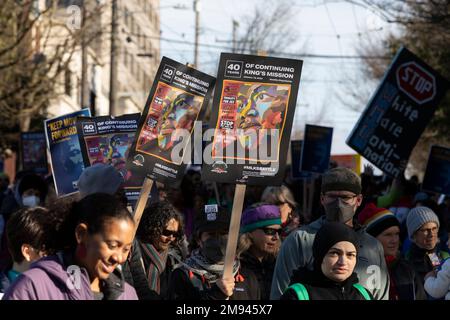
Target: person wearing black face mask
[[340, 197], [200, 276]]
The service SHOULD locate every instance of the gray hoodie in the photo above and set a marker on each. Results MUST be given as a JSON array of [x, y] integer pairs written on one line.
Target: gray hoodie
[[50, 279], [296, 252]]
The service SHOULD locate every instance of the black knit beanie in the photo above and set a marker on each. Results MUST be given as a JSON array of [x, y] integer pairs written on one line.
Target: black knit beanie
[[327, 236], [341, 179]]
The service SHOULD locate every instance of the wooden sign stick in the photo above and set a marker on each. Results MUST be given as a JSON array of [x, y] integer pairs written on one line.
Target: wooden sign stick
[[305, 207], [216, 191], [141, 202], [311, 197], [233, 233]]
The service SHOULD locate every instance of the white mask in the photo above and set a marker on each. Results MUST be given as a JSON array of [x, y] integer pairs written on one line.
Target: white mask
[[31, 201]]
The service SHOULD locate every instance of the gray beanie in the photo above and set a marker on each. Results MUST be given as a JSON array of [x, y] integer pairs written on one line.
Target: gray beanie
[[417, 217], [99, 178]]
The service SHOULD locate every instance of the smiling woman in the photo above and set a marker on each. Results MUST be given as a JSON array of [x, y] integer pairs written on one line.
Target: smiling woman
[[96, 236]]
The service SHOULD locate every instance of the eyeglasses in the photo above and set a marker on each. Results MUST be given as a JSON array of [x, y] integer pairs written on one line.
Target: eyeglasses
[[271, 232], [168, 233], [433, 230], [345, 198]]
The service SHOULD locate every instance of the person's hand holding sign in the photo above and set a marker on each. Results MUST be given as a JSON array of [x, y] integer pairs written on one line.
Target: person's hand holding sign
[[226, 285]]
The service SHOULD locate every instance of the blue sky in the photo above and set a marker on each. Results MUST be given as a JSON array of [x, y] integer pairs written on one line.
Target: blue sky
[[329, 27]]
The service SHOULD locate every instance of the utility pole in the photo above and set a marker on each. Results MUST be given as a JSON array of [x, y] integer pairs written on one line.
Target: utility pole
[[84, 101], [235, 26], [113, 66], [197, 30]]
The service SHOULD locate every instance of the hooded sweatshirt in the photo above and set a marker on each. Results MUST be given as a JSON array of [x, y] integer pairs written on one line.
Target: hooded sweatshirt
[[50, 279]]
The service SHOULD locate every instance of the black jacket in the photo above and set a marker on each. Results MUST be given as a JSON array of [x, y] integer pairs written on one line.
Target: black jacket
[[420, 260], [263, 271], [405, 281], [185, 285], [321, 288]]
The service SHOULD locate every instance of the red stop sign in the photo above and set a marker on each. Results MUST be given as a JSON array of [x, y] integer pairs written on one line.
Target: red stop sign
[[416, 82]]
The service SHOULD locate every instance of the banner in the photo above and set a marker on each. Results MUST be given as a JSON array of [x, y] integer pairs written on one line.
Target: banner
[[252, 114], [296, 157], [350, 161], [398, 112], [108, 140], [65, 152], [33, 152], [316, 148], [177, 99], [296, 154], [437, 173]]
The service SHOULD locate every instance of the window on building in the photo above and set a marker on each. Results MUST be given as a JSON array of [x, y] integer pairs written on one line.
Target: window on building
[[132, 65], [125, 57], [93, 102], [126, 17], [68, 82], [133, 26], [63, 3]]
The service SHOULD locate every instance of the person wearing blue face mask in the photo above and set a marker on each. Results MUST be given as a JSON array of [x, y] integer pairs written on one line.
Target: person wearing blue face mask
[[32, 190], [27, 184]]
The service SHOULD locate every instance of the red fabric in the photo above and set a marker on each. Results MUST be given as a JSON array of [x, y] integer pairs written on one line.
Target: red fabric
[[369, 211], [393, 294]]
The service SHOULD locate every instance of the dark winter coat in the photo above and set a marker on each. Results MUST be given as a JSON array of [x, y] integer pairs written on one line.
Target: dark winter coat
[[405, 282], [263, 271], [186, 285], [420, 260], [320, 287]]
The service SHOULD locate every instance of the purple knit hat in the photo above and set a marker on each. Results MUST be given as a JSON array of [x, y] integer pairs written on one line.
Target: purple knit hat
[[259, 216]]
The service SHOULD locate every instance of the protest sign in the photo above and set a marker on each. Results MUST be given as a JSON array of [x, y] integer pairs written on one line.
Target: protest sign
[[398, 112], [437, 173], [350, 161], [107, 140], [296, 154], [178, 97], [33, 152], [161, 148], [65, 152], [316, 148], [252, 114]]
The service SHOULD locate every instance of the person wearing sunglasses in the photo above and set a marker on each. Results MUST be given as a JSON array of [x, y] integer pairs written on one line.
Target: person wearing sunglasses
[[260, 241], [156, 251]]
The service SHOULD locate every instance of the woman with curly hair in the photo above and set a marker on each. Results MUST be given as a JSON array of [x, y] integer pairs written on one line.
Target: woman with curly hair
[[156, 251]]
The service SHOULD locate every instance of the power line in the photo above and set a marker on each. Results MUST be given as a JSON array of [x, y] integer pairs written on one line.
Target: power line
[[287, 54]]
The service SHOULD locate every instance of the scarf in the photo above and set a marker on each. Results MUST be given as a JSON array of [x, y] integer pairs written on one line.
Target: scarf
[[391, 262], [156, 266], [199, 265]]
